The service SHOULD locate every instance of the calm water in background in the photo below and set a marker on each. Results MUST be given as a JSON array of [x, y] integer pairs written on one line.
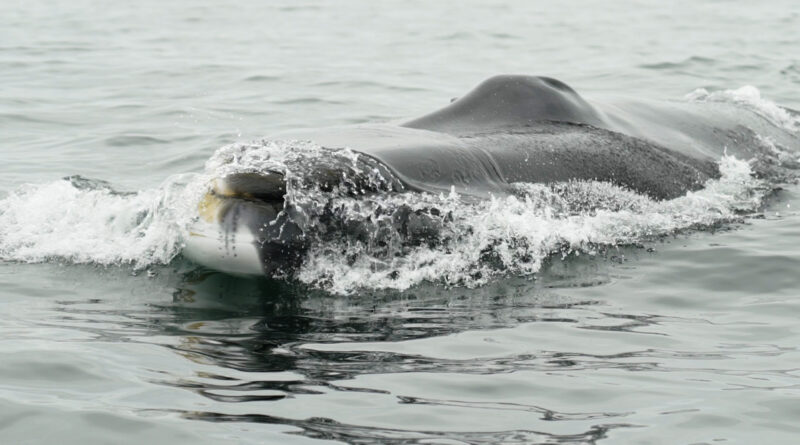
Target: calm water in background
[[694, 342]]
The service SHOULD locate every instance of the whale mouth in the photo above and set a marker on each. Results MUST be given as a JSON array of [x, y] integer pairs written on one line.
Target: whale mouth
[[234, 201], [264, 187], [243, 227]]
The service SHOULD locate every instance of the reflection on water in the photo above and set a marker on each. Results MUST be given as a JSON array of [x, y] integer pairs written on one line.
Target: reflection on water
[[263, 341], [251, 330], [624, 345]]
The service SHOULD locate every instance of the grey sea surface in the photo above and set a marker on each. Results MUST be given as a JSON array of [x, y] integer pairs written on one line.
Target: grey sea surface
[[690, 337]]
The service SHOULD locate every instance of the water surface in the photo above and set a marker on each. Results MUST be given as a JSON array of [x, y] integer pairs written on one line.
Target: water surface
[[687, 338]]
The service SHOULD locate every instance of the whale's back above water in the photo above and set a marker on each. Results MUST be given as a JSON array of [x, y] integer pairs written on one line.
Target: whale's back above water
[[510, 101], [506, 131]]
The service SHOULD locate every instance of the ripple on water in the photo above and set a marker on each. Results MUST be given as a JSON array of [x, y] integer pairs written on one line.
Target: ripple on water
[[695, 341]]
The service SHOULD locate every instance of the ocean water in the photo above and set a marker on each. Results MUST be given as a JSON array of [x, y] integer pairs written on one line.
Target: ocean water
[[644, 322]]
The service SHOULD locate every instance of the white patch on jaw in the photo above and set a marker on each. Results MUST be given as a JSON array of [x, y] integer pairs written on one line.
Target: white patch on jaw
[[211, 245]]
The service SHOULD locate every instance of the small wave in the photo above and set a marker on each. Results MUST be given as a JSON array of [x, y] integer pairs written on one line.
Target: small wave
[[261, 78], [134, 140], [308, 100], [688, 62], [81, 220], [750, 97]]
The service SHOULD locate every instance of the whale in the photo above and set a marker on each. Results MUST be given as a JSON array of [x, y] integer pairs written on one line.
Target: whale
[[507, 130]]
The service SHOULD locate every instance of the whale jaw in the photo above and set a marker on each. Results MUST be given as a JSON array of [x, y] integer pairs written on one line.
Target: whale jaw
[[243, 228], [234, 253]]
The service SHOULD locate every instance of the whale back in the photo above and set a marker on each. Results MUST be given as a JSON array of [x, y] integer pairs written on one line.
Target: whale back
[[510, 101]]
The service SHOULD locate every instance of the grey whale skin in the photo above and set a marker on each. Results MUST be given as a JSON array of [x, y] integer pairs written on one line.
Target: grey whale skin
[[514, 128]]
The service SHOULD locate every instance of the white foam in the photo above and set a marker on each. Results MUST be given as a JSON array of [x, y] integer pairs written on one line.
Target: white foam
[[750, 97], [516, 234], [59, 220]]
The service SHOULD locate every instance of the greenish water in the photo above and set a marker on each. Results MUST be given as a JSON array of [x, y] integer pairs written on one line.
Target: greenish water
[[689, 338]]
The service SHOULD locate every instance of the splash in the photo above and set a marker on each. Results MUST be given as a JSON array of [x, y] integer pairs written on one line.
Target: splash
[[84, 221], [463, 242], [302, 161], [750, 97]]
